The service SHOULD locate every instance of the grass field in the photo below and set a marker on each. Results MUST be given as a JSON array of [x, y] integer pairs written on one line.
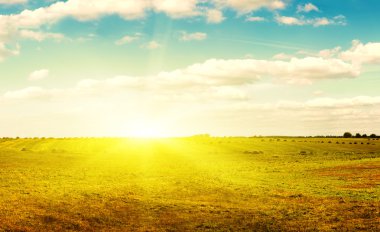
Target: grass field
[[190, 184]]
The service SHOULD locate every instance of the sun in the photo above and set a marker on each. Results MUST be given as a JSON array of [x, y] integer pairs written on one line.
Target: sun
[[145, 129]]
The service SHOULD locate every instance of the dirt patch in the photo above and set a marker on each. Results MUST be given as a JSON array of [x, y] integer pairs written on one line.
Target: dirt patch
[[361, 185], [357, 176]]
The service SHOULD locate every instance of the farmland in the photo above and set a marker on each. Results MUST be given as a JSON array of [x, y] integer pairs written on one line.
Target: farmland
[[190, 184]]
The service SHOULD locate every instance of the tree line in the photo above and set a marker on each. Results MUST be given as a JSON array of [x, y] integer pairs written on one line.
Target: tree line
[[358, 135]]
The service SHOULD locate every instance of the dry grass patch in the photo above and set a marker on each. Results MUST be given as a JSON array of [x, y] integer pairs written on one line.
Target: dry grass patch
[[357, 176]]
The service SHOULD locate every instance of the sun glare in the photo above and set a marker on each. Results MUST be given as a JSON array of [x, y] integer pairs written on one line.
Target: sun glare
[[145, 129]]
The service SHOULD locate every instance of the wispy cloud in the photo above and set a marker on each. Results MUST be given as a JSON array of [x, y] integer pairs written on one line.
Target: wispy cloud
[[246, 6], [308, 7], [128, 39], [39, 75], [10, 2], [151, 45], [40, 36], [316, 22], [6, 51], [185, 36], [214, 16], [255, 19]]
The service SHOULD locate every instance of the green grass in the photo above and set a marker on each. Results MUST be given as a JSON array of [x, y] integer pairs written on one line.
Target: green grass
[[205, 184]]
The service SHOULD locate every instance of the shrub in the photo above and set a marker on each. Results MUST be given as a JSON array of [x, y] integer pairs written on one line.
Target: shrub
[[303, 152], [253, 152]]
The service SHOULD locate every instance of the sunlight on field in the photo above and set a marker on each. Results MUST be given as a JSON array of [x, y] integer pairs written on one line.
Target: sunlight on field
[[189, 184]]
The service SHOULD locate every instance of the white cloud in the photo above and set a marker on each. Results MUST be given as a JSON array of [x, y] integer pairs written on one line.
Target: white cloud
[[296, 69], [29, 22], [128, 39], [316, 22], [28, 93], [220, 75], [215, 16], [321, 22], [40, 36], [8, 32], [357, 55], [246, 6], [289, 20], [151, 45], [10, 2], [91, 9], [360, 53], [185, 36], [255, 19], [307, 8], [130, 9], [240, 72], [6, 52], [339, 20], [177, 9], [246, 71], [39, 75], [328, 53]]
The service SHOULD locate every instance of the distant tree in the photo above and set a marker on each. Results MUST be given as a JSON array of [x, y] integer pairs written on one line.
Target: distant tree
[[372, 136], [347, 135], [358, 135], [364, 136]]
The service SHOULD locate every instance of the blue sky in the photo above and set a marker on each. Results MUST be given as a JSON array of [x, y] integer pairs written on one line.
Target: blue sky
[[170, 68]]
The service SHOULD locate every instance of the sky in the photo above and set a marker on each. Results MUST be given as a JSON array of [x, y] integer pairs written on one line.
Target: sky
[[176, 68]]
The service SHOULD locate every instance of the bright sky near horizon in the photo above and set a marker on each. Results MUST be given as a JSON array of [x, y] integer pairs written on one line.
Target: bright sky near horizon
[[177, 68]]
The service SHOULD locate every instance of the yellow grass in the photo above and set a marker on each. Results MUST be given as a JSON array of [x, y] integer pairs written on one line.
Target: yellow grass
[[189, 184]]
